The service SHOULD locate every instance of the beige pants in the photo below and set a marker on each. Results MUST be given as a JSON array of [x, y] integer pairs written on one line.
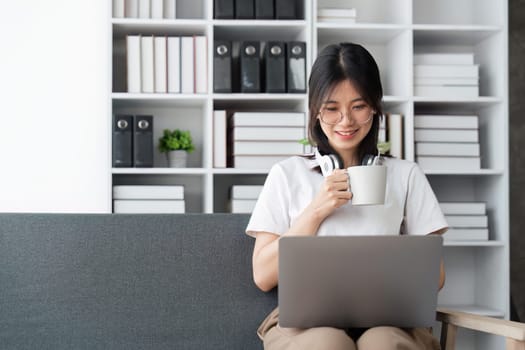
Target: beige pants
[[383, 338]]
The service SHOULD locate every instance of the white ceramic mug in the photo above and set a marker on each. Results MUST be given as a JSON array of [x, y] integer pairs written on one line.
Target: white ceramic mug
[[368, 184]]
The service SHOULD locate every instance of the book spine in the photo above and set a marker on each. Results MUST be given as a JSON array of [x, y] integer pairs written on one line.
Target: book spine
[[256, 162], [147, 64], [144, 206], [268, 134], [447, 149], [160, 66], [444, 135], [157, 9], [187, 66], [446, 122], [447, 91], [267, 148], [467, 221], [174, 65], [444, 59], [441, 71], [170, 9], [133, 57], [201, 67], [449, 163], [246, 191], [268, 119], [395, 134], [131, 8], [118, 9], [144, 9], [219, 139], [148, 192], [242, 206], [463, 208]]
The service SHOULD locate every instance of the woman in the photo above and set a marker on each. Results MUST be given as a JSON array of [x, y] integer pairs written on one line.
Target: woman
[[344, 109]]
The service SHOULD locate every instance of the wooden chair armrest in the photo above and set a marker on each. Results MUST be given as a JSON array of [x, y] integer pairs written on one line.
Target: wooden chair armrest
[[514, 332]]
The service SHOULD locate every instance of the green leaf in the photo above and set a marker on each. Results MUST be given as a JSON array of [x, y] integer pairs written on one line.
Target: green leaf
[[173, 140]]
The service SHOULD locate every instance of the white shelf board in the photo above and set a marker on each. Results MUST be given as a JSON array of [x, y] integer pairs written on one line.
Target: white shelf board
[[487, 100], [464, 172], [259, 96], [133, 26], [428, 34], [475, 309], [241, 24], [159, 171], [158, 99], [473, 244], [235, 171]]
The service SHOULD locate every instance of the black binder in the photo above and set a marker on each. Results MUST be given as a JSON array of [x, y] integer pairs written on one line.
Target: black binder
[[296, 66], [275, 66], [264, 9], [250, 67], [223, 9], [143, 141], [122, 141], [244, 9], [285, 9], [222, 66]]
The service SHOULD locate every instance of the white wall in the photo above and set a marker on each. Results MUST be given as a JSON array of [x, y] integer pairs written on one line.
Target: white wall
[[54, 106]]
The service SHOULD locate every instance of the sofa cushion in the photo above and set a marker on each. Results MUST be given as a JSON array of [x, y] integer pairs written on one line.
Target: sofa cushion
[[108, 281]]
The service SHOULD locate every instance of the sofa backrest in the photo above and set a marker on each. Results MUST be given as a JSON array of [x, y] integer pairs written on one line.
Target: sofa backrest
[[106, 281]]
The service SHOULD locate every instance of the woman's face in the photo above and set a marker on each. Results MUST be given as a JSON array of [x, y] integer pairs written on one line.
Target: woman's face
[[345, 118]]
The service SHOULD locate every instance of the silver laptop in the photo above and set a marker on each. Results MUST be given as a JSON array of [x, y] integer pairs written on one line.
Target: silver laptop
[[359, 281]]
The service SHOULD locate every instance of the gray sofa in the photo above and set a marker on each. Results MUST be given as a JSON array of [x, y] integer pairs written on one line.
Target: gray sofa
[[82, 281]]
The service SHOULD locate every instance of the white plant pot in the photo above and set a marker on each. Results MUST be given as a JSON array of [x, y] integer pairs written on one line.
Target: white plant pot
[[177, 159]]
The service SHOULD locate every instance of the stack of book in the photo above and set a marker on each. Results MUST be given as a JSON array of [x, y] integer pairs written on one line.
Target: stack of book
[[244, 197], [391, 134], [467, 221], [258, 139], [447, 142], [343, 15], [166, 64], [446, 75], [144, 9], [135, 199]]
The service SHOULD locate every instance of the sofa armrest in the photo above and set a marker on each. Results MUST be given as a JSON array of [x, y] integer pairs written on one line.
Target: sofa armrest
[[514, 332]]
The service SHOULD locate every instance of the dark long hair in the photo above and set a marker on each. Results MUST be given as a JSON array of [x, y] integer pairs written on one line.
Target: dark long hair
[[336, 63]]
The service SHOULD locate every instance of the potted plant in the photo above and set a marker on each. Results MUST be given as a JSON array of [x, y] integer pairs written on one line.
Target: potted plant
[[176, 144]]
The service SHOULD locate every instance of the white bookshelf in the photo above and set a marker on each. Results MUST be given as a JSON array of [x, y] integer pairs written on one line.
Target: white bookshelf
[[393, 31]]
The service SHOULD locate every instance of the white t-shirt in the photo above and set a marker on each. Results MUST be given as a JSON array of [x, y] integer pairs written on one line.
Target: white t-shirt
[[410, 204]]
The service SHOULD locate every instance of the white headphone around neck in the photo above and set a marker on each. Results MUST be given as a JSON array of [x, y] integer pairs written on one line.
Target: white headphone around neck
[[328, 163]]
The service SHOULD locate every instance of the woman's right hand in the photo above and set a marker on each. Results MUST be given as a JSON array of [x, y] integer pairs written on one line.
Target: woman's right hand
[[333, 194]]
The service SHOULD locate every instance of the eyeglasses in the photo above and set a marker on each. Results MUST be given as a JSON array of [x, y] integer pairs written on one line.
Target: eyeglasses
[[361, 114]]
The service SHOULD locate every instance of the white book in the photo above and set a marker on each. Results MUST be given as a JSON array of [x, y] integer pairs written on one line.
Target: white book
[[219, 139], [268, 133], [148, 192], [161, 68], [337, 12], [157, 9], [133, 58], [144, 9], [467, 221], [466, 234], [446, 91], [201, 60], [170, 9], [246, 191], [395, 134], [174, 64], [267, 148], [146, 206], [187, 68], [446, 70], [147, 64], [449, 163], [446, 121], [256, 162], [444, 58], [446, 81], [268, 119], [131, 8], [118, 8], [447, 149], [242, 206], [345, 20], [446, 135], [382, 130], [463, 208]]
